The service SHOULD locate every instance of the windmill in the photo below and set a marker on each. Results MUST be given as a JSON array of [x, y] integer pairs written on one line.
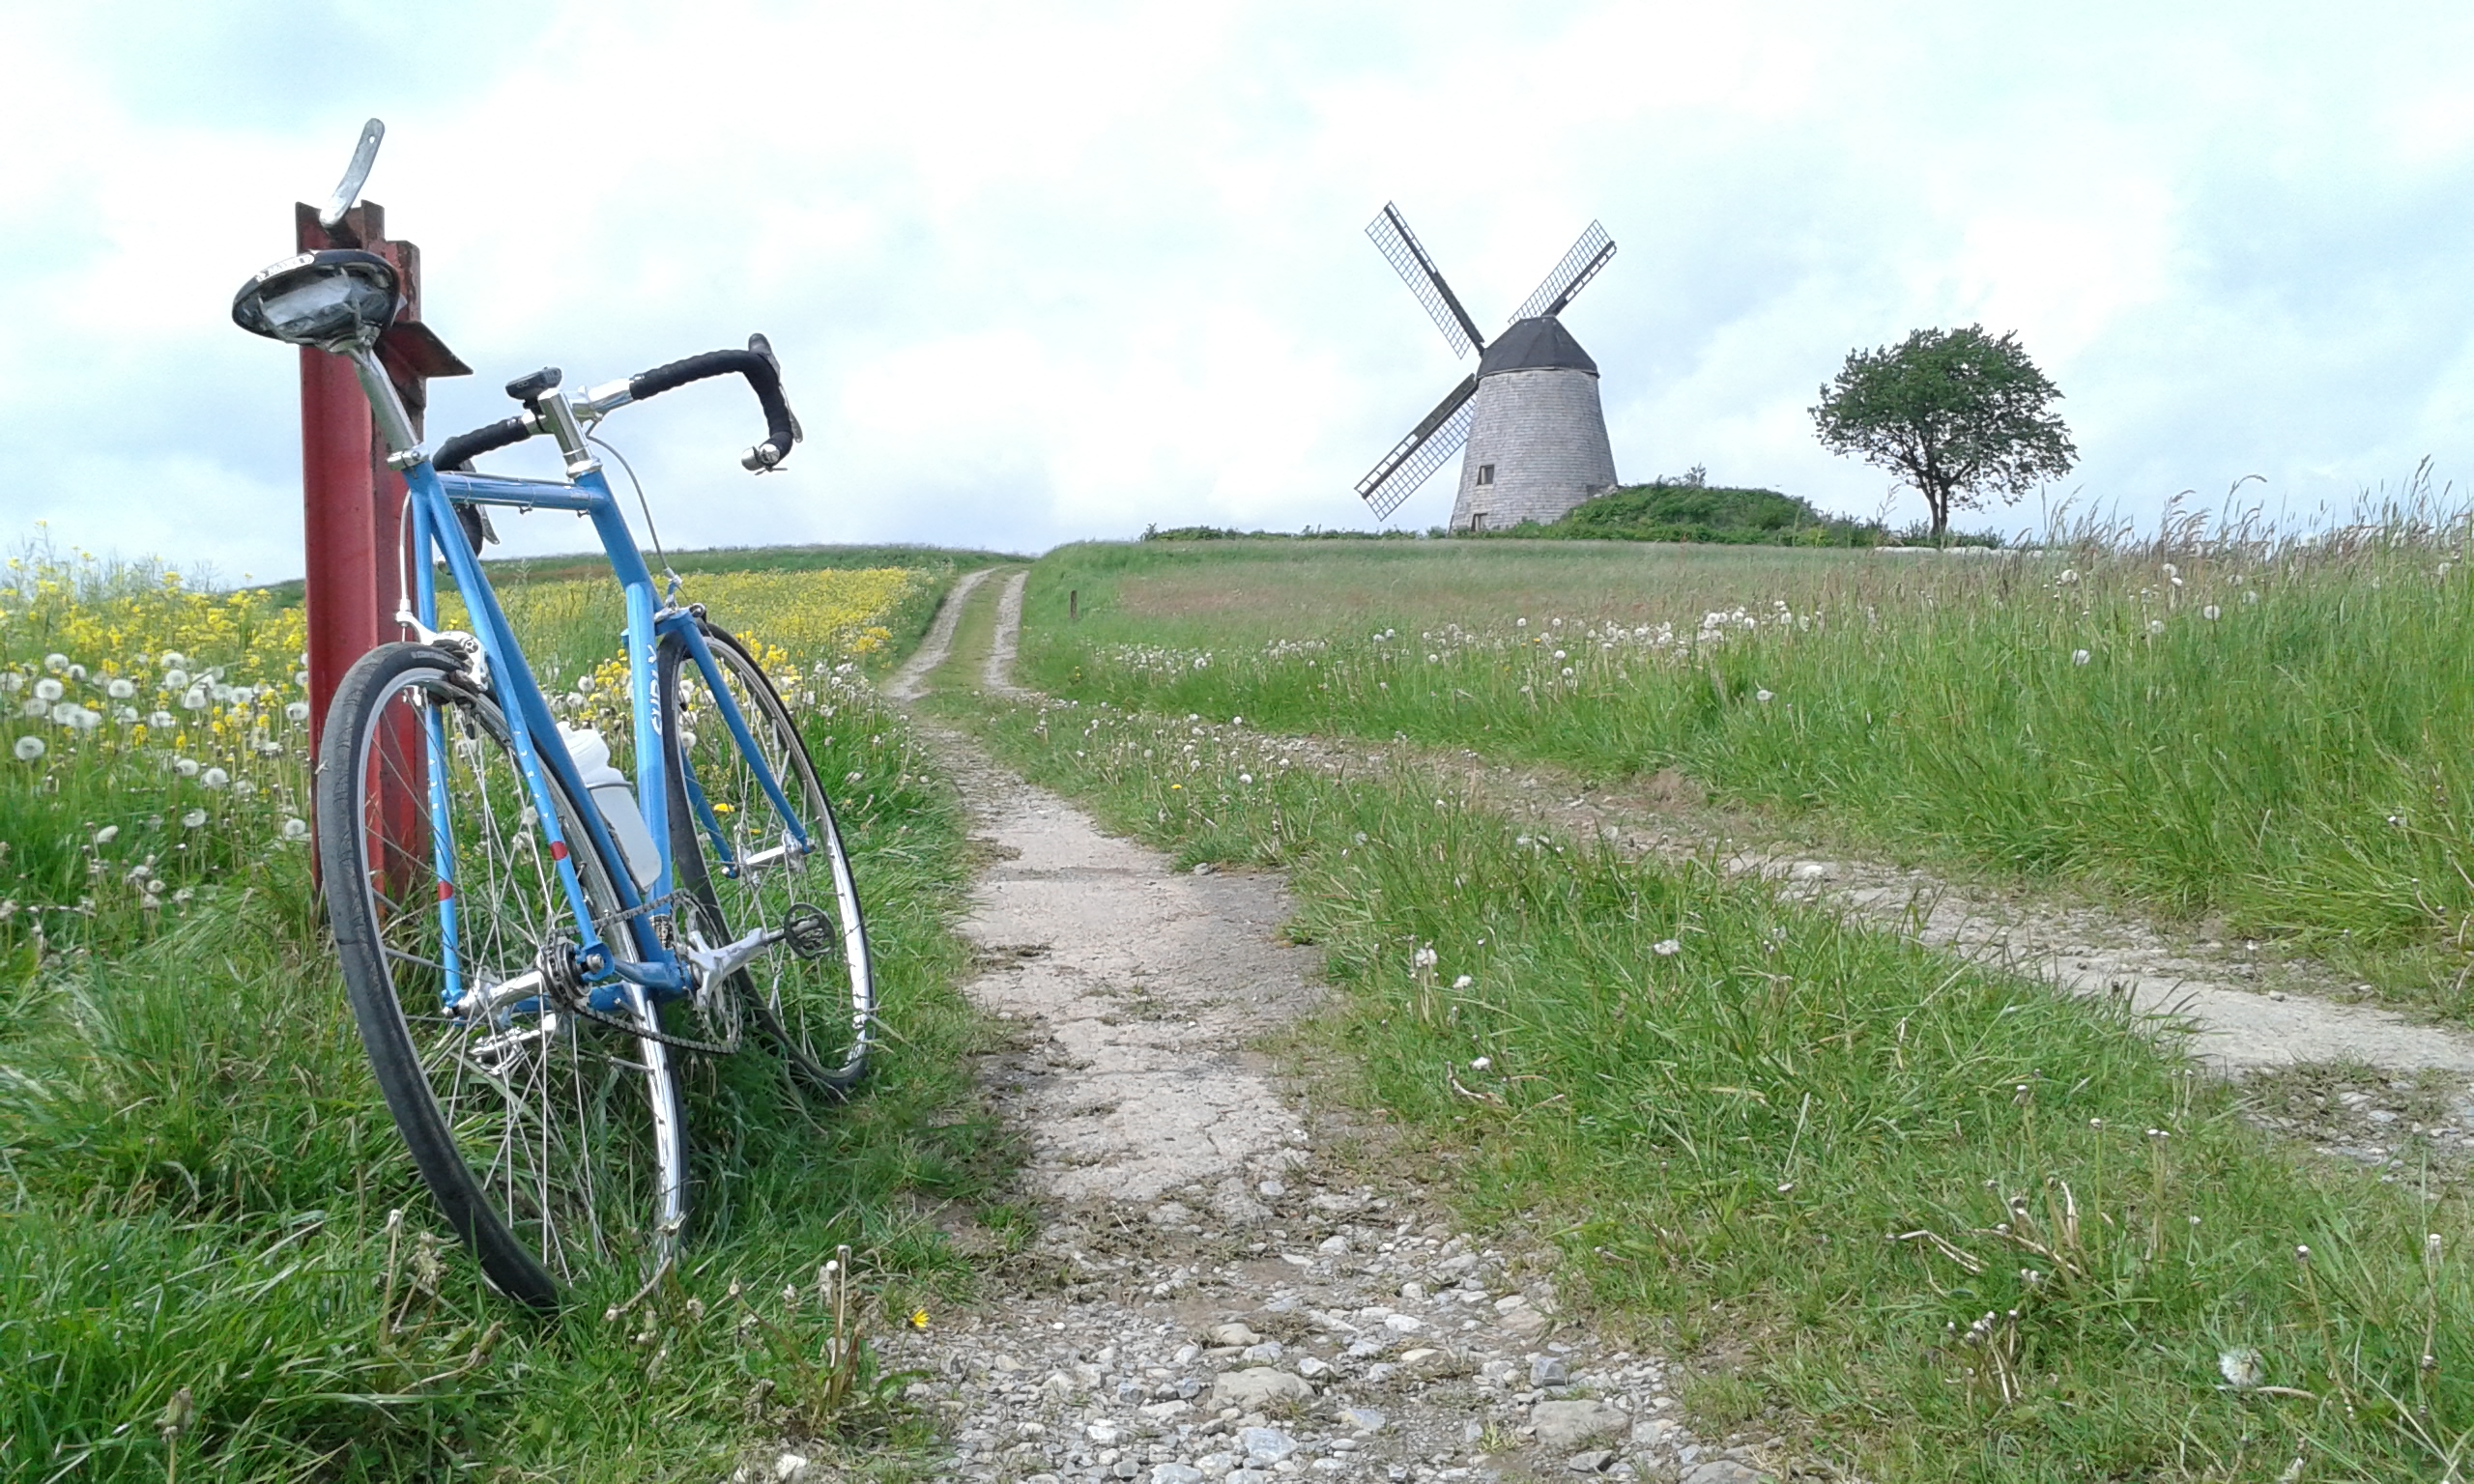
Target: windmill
[[1529, 415]]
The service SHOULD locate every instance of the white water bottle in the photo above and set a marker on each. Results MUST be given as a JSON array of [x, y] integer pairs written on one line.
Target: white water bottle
[[616, 802]]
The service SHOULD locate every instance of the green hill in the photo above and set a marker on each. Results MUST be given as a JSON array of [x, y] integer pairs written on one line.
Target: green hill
[[1676, 511]]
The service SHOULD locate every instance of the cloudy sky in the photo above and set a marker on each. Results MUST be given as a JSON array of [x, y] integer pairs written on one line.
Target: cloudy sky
[[1043, 273]]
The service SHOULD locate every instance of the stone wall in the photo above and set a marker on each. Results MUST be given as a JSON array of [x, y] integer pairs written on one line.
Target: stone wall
[[1543, 434]]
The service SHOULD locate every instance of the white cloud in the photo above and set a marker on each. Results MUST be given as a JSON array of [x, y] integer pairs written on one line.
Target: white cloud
[[1044, 272]]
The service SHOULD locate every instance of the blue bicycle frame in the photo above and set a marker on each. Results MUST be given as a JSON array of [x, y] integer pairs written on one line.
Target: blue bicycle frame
[[541, 752]]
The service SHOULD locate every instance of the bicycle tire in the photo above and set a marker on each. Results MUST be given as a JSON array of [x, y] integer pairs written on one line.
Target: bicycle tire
[[818, 1012], [555, 1146]]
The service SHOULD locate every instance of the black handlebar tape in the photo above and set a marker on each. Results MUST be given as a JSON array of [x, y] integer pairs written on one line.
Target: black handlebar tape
[[457, 453], [759, 373]]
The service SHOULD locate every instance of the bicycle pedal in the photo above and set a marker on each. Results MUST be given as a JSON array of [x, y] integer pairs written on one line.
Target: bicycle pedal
[[808, 930]]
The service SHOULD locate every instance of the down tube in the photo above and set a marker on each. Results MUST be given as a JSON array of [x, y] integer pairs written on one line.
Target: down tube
[[537, 750], [652, 800]]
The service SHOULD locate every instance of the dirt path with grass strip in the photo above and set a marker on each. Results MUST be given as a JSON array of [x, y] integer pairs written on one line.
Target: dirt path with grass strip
[[2356, 1081], [910, 682], [1224, 1281]]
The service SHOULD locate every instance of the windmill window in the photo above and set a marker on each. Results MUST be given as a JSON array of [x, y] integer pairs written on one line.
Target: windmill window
[[1485, 473]]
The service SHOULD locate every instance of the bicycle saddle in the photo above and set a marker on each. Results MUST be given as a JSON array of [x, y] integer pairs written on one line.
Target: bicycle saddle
[[333, 299]]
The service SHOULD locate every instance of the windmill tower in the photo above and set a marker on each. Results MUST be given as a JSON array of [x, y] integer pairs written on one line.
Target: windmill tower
[[1529, 415]]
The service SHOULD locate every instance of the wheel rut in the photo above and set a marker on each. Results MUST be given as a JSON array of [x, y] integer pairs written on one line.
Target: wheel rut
[[1220, 1287], [2353, 1080]]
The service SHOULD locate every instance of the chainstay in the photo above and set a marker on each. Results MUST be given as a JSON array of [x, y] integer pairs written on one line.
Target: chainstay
[[571, 997]]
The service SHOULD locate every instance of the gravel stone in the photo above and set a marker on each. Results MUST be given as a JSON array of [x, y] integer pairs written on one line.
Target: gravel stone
[[1258, 1386], [1265, 1446], [1724, 1471], [1563, 1427]]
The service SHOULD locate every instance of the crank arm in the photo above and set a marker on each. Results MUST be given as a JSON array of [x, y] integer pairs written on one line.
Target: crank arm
[[712, 965]]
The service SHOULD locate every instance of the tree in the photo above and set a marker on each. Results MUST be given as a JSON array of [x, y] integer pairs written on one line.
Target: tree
[[1955, 414]]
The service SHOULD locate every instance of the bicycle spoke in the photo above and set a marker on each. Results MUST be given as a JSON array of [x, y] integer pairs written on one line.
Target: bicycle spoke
[[564, 1129]]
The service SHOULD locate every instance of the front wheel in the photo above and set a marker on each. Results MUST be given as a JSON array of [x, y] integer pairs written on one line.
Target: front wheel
[[551, 1135], [748, 864]]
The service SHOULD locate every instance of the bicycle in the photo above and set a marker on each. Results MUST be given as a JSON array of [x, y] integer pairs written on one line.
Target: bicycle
[[525, 939]]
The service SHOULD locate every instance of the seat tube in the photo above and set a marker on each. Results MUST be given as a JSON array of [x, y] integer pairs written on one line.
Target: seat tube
[[434, 760]]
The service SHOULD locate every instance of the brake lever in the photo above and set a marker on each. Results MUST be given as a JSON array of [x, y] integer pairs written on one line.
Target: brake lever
[[355, 176]]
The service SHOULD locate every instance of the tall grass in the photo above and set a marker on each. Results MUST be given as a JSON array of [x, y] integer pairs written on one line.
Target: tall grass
[[2265, 731], [1950, 1226], [203, 1268]]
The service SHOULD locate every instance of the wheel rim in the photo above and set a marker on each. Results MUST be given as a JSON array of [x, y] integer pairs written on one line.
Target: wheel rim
[[820, 1010], [567, 1129]]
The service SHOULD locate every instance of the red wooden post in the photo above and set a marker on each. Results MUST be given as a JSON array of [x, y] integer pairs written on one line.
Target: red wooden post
[[353, 504]]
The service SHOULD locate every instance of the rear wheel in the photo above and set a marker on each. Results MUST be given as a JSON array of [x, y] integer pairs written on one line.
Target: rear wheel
[[734, 850], [552, 1136]]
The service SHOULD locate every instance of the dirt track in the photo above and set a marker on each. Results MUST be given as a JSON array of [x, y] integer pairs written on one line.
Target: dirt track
[[1219, 1287]]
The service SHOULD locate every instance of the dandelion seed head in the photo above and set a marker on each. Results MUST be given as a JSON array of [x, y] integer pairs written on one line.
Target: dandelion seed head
[[194, 820], [2242, 1367], [1666, 948], [30, 748]]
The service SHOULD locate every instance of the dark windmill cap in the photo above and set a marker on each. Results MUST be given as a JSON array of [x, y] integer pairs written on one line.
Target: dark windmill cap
[[1534, 345]]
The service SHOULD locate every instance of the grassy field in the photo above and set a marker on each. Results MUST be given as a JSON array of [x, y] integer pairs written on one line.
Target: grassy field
[[2262, 739], [507, 573], [1936, 1222], [201, 1272]]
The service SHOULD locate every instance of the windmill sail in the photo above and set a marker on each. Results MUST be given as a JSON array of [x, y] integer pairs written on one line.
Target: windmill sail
[[1418, 455], [1578, 268], [1399, 246]]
